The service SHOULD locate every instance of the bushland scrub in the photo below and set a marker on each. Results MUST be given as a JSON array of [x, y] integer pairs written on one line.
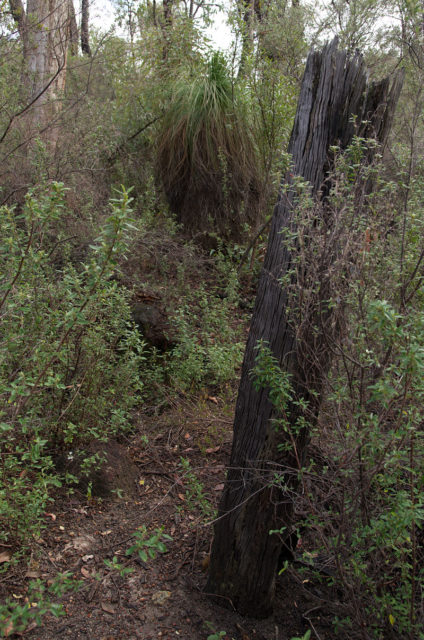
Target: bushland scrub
[[198, 146], [360, 503], [68, 346]]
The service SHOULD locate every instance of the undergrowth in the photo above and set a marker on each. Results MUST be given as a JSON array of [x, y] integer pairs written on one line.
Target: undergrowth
[[208, 350], [70, 357]]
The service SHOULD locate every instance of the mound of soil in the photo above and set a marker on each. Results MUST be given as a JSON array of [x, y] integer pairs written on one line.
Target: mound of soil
[[114, 474]]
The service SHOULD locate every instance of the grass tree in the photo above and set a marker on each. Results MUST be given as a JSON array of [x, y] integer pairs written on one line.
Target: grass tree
[[207, 155]]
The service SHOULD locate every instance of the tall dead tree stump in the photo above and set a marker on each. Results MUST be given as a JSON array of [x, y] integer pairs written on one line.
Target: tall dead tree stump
[[334, 99]]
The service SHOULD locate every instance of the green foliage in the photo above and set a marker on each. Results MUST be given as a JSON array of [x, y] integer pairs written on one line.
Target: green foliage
[[206, 155], [207, 352], [304, 637], [215, 635], [15, 617], [195, 491], [377, 398], [387, 522], [380, 400], [119, 567], [273, 103], [71, 365], [268, 374], [148, 545], [359, 24], [369, 439], [70, 358], [291, 421]]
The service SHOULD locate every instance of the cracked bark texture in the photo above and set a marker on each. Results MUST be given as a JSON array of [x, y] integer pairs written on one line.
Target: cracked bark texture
[[244, 556]]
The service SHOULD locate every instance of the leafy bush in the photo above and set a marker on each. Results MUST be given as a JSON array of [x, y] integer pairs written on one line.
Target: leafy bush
[[361, 493], [148, 545], [374, 528], [195, 491], [69, 357], [207, 352]]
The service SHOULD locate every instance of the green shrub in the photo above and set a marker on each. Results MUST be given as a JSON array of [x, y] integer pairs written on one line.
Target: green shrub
[[208, 351], [69, 356], [16, 616], [361, 494], [147, 544], [196, 498]]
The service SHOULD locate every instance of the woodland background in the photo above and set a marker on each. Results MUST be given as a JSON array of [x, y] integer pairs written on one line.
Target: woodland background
[[138, 174]]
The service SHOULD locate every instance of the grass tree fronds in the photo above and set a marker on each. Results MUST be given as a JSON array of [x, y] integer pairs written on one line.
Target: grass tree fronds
[[206, 154]]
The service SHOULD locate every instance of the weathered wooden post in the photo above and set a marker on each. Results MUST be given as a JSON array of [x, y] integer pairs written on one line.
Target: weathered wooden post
[[244, 555]]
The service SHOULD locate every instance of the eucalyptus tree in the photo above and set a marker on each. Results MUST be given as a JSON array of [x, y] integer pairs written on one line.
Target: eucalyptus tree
[[173, 23], [46, 31], [273, 29], [359, 24]]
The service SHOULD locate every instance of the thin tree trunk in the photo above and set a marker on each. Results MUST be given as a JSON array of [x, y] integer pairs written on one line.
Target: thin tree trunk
[[73, 29], [85, 17], [244, 555], [166, 26], [246, 12]]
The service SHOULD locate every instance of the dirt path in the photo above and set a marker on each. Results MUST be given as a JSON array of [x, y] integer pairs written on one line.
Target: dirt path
[[161, 598]]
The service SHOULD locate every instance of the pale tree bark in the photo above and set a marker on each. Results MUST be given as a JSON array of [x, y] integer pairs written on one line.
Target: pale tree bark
[[47, 29], [49, 36]]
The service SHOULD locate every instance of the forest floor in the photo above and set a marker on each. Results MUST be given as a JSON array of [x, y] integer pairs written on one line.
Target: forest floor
[[164, 597]]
